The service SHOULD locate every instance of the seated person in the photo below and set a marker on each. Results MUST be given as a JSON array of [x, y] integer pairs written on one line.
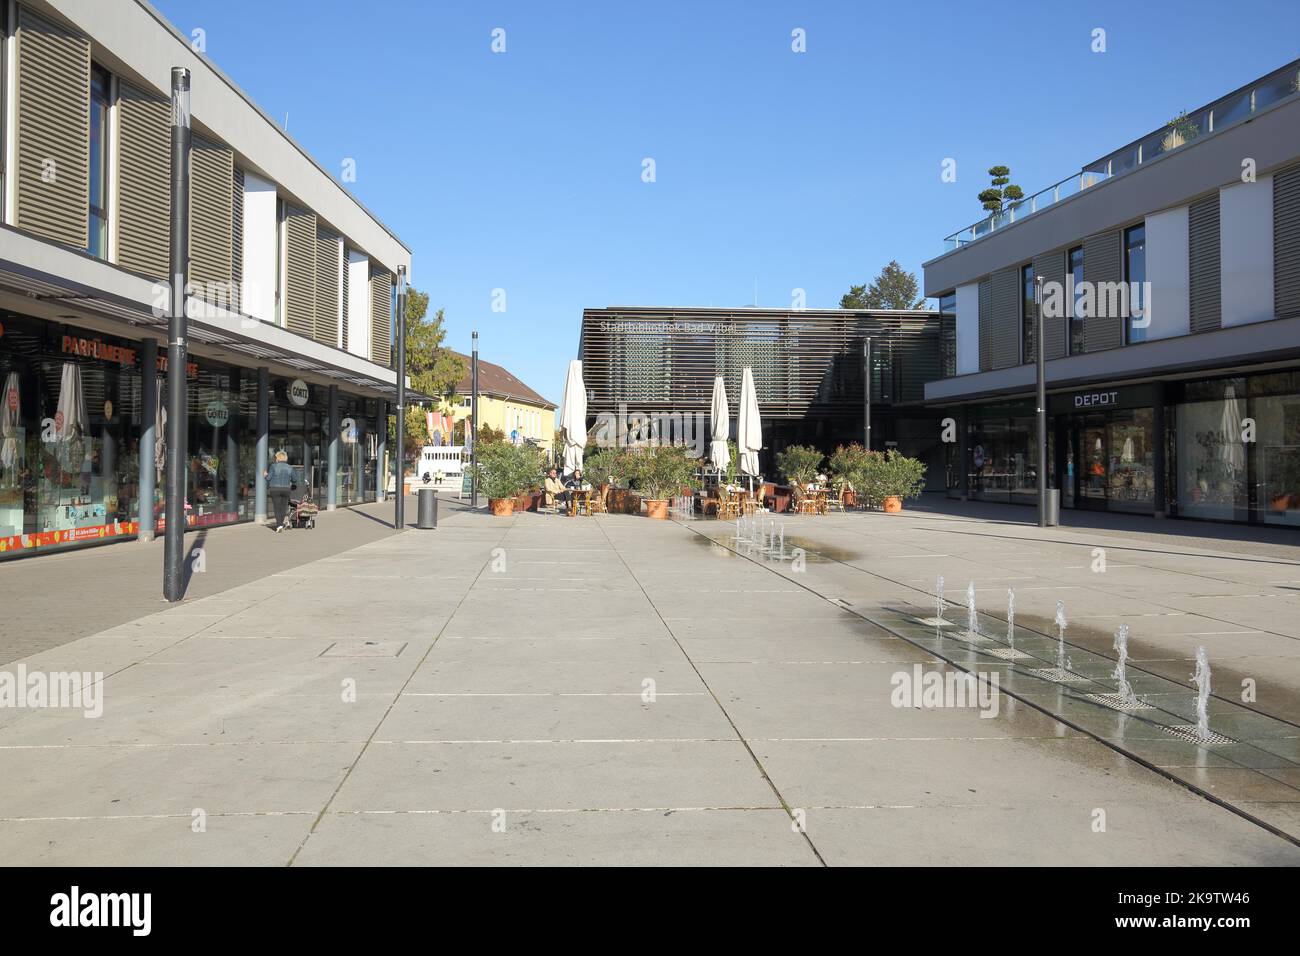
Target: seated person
[[576, 480], [553, 489]]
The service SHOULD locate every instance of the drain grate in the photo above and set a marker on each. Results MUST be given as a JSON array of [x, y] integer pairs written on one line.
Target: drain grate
[[1117, 702], [1188, 732], [934, 622], [1057, 675], [1007, 654]]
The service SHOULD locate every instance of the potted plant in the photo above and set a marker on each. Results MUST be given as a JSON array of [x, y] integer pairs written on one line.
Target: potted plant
[[799, 464], [846, 467], [893, 477], [505, 470], [660, 472], [1182, 129]]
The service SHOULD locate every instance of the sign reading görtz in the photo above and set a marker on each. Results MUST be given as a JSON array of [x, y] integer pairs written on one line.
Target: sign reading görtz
[[299, 392]]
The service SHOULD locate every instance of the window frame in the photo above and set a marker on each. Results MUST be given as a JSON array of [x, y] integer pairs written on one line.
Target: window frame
[[1128, 281], [98, 239], [1027, 312], [1074, 320]]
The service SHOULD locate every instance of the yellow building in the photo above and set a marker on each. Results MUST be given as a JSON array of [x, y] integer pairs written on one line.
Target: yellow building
[[507, 404]]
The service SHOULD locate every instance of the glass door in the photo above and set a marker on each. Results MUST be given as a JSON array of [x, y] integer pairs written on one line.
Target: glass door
[[1092, 464]]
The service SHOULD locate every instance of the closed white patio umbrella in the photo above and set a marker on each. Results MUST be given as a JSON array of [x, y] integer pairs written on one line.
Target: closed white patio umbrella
[[749, 427], [573, 416], [70, 419], [10, 411], [719, 426]]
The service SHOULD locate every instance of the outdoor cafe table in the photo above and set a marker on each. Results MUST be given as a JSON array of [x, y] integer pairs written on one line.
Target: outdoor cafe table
[[579, 494]]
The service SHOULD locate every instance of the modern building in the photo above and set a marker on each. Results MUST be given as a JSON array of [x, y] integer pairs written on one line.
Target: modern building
[[291, 298], [506, 404], [1171, 311], [808, 368]]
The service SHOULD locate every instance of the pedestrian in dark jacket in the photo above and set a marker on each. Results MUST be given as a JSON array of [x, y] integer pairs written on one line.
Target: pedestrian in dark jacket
[[279, 482]]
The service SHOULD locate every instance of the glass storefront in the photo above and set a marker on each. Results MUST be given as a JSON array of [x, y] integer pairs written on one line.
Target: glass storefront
[[69, 427], [1001, 457], [71, 408], [1223, 449]]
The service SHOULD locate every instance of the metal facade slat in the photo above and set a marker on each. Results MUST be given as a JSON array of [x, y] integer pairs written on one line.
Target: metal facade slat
[[381, 316], [1004, 349], [327, 287], [344, 309], [986, 324], [654, 361], [212, 180], [1051, 266], [1286, 242], [53, 131], [143, 220], [237, 236], [300, 271], [1204, 278], [1102, 264]]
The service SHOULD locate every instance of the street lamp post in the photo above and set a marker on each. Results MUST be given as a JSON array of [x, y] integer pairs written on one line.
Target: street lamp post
[[177, 392], [473, 425], [1039, 361], [866, 393], [399, 509]]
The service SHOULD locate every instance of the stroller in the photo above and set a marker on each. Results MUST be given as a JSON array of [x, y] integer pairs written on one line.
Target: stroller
[[302, 513]]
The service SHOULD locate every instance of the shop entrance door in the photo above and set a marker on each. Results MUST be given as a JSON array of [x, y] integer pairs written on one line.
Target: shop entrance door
[[1091, 467]]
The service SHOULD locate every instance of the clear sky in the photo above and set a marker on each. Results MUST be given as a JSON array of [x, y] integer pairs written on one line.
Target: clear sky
[[522, 170]]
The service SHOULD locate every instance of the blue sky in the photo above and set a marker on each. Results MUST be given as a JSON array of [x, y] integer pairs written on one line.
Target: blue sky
[[522, 170]]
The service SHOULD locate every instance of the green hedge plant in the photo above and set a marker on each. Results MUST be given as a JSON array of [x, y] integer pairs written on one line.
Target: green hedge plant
[[799, 464]]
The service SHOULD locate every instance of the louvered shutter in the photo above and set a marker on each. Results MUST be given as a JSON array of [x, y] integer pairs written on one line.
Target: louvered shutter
[[300, 271], [1102, 265], [144, 182], [1286, 242], [53, 131], [381, 317], [327, 287], [1051, 266], [237, 237], [1205, 292], [344, 310], [986, 324], [1004, 349], [212, 181]]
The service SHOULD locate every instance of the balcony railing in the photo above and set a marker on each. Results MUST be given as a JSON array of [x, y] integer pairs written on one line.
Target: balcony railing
[[1228, 111]]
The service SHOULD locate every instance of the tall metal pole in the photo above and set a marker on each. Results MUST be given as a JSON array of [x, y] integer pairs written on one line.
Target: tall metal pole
[[399, 510], [1040, 355], [866, 393], [473, 424], [177, 394]]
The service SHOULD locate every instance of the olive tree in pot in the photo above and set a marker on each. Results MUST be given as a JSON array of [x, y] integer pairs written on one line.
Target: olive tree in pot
[[846, 467], [504, 470], [660, 471], [799, 464], [892, 477]]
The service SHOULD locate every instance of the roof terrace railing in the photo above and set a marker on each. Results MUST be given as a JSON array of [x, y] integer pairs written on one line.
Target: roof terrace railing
[[1234, 108]]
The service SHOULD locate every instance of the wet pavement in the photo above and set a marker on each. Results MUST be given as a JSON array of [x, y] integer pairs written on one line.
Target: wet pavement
[[612, 690]]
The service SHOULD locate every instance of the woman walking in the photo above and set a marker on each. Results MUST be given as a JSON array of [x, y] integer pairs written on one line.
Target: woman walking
[[279, 482]]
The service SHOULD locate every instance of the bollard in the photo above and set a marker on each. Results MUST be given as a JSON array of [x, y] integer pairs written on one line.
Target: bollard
[[427, 513]]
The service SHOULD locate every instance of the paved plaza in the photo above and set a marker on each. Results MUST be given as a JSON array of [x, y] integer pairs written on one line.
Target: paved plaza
[[615, 690]]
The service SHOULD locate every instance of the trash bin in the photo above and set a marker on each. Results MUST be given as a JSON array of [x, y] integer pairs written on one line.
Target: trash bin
[[427, 514], [1052, 506]]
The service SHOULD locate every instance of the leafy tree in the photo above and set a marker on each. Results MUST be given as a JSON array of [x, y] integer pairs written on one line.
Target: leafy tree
[[1002, 191], [894, 288], [432, 369]]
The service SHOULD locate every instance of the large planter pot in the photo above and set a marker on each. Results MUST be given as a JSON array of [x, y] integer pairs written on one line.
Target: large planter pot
[[850, 499], [892, 504], [656, 508], [502, 507], [1280, 502], [632, 503], [618, 500]]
